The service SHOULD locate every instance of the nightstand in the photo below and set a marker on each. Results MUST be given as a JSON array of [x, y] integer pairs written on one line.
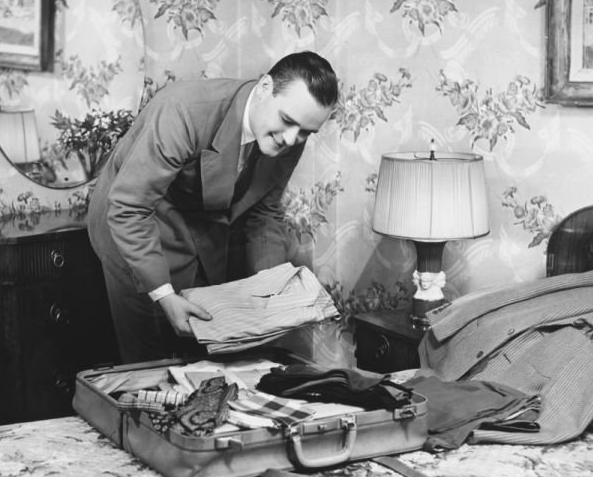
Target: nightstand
[[386, 341], [54, 315]]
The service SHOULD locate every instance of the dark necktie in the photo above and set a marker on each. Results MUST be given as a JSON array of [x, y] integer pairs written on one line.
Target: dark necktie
[[251, 154]]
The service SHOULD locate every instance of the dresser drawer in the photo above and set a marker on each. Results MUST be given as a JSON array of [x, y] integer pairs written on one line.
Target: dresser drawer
[[386, 342], [50, 331], [37, 380], [52, 257]]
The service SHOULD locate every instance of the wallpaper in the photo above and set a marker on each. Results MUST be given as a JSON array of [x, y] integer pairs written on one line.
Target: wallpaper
[[467, 74]]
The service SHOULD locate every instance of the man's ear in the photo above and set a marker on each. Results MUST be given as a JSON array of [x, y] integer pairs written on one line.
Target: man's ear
[[265, 86]]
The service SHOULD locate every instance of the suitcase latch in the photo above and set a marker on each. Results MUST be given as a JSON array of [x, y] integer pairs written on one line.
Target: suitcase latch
[[407, 412]]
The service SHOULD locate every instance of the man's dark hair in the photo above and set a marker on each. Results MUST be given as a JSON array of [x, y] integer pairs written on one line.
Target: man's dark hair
[[314, 70]]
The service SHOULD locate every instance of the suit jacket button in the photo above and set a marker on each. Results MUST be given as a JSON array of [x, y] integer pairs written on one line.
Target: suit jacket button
[[511, 331], [480, 354]]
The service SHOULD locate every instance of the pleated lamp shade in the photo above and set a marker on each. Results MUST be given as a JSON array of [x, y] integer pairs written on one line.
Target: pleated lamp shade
[[431, 200], [18, 135]]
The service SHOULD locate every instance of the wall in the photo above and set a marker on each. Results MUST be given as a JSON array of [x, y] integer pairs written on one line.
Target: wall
[[467, 73], [97, 69]]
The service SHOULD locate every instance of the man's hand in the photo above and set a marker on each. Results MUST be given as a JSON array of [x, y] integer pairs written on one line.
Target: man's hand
[[178, 310]]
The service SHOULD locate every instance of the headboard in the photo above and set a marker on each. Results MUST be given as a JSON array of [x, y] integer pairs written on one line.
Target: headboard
[[570, 246]]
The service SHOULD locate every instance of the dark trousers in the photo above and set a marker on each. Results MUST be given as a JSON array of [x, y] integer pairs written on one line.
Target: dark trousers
[[143, 332]]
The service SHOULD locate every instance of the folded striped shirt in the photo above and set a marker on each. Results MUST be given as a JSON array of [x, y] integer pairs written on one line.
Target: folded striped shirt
[[253, 310]]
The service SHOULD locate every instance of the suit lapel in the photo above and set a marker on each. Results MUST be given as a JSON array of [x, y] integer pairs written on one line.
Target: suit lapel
[[268, 172], [219, 164]]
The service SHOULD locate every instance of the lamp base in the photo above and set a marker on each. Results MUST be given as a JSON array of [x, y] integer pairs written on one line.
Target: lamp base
[[429, 295], [420, 308]]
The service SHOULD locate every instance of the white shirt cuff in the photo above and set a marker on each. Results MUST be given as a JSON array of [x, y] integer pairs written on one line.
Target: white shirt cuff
[[161, 292]]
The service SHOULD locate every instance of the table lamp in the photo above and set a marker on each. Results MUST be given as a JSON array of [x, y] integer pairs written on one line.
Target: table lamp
[[18, 135], [430, 198]]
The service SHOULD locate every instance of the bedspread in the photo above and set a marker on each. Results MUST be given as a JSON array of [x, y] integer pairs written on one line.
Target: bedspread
[[71, 447]]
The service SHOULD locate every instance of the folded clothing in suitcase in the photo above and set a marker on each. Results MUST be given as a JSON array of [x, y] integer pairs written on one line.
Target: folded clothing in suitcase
[[318, 435]]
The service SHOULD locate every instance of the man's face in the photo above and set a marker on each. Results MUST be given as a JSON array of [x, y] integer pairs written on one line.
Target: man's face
[[285, 120]]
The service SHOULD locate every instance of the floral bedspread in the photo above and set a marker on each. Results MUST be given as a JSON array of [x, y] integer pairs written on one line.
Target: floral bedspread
[[71, 447]]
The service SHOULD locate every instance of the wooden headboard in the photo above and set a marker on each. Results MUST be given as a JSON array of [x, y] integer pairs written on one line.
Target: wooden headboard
[[570, 246]]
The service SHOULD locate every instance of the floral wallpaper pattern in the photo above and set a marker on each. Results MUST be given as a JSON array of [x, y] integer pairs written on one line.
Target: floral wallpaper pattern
[[425, 12], [300, 13], [465, 74], [495, 115], [357, 110]]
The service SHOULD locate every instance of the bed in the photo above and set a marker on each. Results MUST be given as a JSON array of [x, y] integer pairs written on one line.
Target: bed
[[569, 250], [70, 446]]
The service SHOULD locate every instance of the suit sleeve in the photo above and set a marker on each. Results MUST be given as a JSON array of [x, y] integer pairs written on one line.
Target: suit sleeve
[[161, 143]]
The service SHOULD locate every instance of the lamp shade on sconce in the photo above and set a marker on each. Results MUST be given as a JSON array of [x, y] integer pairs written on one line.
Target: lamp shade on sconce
[[431, 200], [18, 135]]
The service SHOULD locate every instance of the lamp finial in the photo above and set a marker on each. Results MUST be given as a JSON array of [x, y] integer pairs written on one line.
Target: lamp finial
[[432, 149]]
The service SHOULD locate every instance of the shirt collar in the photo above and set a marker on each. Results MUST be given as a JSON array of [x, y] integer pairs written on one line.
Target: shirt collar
[[246, 132]]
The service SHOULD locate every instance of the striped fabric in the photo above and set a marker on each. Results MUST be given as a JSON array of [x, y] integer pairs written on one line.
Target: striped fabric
[[536, 338], [128, 401], [170, 398], [154, 401], [484, 335], [447, 320], [284, 411], [259, 308]]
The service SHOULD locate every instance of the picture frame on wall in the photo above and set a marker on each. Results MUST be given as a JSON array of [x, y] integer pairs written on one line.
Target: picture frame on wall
[[27, 34], [569, 61]]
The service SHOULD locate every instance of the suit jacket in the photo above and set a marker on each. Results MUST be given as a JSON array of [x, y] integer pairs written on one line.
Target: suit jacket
[[535, 337], [164, 196]]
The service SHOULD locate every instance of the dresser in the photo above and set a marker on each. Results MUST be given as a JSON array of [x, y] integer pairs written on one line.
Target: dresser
[[386, 341], [54, 315]]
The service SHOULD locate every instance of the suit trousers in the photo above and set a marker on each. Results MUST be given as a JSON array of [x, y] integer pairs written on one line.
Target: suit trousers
[[142, 329]]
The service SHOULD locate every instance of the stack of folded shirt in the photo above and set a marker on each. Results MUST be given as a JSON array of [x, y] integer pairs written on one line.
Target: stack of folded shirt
[[260, 308]]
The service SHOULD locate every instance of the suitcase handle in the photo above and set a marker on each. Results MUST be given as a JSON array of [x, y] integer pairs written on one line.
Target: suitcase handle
[[348, 424]]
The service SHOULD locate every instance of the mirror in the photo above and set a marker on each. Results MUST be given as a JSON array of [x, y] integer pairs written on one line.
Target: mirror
[[57, 127]]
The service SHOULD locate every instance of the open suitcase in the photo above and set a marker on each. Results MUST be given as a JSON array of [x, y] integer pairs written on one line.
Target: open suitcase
[[310, 444]]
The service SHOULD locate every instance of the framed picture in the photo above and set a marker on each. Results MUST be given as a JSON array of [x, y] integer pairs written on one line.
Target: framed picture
[[569, 62], [26, 34]]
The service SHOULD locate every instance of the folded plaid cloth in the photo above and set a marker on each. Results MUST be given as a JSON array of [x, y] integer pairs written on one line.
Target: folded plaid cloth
[[129, 401], [284, 411], [171, 398]]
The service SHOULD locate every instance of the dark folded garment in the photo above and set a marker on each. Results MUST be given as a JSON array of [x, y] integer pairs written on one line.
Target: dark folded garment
[[457, 408], [340, 385]]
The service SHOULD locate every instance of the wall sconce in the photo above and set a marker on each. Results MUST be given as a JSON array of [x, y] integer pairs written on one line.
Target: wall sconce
[[430, 198], [18, 136]]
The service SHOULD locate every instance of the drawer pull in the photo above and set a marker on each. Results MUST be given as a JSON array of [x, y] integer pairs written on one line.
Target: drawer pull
[[383, 349], [57, 315], [62, 382], [57, 258]]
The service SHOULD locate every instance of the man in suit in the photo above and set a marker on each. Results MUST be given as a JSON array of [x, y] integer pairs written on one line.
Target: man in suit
[[204, 161]]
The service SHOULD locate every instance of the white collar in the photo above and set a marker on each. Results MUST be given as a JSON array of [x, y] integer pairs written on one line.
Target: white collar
[[246, 132]]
